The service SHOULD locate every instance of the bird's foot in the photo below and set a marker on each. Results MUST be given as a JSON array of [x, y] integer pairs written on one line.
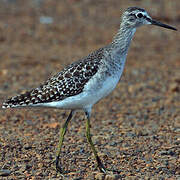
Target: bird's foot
[[59, 169], [100, 165], [58, 165], [105, 170]]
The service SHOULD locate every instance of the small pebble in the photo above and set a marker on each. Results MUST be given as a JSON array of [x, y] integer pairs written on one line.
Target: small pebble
[[5, 172], [46, 20]]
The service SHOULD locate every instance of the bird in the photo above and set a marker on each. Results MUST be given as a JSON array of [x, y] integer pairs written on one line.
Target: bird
[[83, 83]]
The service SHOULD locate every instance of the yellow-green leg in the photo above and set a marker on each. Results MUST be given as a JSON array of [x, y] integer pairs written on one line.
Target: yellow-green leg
[[61, 138], [88, 135]]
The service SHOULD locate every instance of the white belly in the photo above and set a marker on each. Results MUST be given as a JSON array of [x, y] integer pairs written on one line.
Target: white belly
[[93, 92], [99, 86]]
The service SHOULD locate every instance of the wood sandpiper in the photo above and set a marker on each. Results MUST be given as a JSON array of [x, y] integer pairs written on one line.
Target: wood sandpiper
[[83, 83]]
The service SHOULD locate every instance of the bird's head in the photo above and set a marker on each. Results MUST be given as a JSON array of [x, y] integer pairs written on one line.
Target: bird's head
[[135, 17]]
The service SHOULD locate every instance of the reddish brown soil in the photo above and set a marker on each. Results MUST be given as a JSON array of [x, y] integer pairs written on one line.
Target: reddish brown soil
[[136, 129]]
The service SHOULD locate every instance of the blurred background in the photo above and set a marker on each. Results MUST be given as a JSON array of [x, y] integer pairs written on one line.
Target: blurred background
[[139, 121]]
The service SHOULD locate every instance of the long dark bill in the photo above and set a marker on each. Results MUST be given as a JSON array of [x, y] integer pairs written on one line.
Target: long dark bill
[[157, 23]]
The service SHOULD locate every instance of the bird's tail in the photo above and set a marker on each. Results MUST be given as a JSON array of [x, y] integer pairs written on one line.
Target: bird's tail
[[22, 100]]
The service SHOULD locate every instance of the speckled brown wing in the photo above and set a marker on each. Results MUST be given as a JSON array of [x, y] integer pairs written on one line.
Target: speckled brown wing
[[69, 82]]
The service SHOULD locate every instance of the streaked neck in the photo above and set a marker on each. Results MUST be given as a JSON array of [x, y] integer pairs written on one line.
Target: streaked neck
[[122, 40]]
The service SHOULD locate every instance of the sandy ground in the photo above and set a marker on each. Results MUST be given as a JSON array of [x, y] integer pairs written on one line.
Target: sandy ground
[[136, 129]]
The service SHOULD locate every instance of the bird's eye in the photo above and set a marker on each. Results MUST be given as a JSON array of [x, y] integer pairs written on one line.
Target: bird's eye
[[139, 15]]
